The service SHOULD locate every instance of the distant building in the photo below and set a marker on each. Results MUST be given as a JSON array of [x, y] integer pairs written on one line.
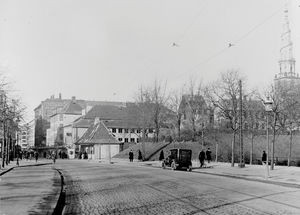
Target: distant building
[[195, 107], [54, 106], [60, 123], [114, 125], [26, 135]]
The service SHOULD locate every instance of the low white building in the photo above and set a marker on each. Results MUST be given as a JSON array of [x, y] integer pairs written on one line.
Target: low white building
[[122, 123], [98, 142]]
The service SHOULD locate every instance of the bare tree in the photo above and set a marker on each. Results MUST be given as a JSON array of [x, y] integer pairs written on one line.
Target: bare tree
[[195, 107], [152, 104], [174, 104], [223, 94], [286, 107]]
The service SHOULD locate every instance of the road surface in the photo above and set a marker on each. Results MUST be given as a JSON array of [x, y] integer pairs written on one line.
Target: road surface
[[95, 188]]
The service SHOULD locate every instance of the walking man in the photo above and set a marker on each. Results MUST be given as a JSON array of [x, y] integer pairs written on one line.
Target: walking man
[[131, 156], [201, 158], [208, 155], [36, 155], [264, 158]]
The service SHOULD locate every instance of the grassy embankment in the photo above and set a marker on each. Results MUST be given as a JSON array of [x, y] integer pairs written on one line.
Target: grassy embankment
[[224, 148]]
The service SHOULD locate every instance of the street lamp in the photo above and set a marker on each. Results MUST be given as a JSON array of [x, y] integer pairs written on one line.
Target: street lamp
[[268, 108]]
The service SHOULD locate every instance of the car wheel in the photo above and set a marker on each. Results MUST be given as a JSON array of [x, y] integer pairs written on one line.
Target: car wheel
[[163, 165], [190, 169]]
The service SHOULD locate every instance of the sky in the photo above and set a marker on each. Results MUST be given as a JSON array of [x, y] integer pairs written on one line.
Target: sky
[[105, 50]]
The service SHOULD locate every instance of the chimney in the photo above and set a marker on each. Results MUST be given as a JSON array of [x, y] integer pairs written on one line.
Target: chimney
[[73, 99], [59, 96]]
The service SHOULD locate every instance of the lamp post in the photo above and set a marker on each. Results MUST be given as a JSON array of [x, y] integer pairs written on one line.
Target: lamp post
[[202, 135], [17, 136], [268, 108], [242, 161]]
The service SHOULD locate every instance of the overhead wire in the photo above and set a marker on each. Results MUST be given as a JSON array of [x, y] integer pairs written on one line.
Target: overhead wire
[[221, 51]]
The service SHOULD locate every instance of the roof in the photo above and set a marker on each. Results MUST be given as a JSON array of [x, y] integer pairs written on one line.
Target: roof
[[72, 108], [106, 112], [82, 123], [129, 116], [97, 134]]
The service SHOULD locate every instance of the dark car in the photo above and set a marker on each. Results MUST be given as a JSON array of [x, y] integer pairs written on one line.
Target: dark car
[[179, 159]]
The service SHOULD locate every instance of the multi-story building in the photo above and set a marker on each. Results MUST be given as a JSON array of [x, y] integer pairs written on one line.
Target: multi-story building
[[26, 135], [54, 106], [60, 123], [114, 125]]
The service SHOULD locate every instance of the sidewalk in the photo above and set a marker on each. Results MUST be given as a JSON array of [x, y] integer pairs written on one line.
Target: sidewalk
[[281, 175], [22, 163], [33, 186]]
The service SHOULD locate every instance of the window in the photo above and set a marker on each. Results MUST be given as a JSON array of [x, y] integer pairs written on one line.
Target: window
[[132, 140], [126, 130], [138, 131], [132, 130], [150, 130], [120, 130], [137, 140], [114, 130], [23, 133], [120, 139], [126, 140]]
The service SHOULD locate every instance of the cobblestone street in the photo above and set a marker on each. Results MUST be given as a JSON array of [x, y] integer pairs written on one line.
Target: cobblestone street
[[94, 188]]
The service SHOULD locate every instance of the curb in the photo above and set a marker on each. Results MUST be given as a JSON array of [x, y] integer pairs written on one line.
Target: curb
[[58, 210], [28, 165], [5, 171], [284, 184]]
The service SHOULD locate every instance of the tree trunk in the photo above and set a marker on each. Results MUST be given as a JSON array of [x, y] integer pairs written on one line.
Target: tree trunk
[[290, 148], [178, 128], [216, 151], [251, 149]]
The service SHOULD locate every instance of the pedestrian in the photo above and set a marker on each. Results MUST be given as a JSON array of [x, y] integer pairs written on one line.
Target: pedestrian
[[53, 157], [140, 157], [161, 155], [36, 155], [264, 158], [208, 155], [131, 156], [201, 158]]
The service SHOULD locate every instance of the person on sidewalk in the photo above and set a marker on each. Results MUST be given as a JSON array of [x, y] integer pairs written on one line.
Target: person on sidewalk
[[53, 157], [264, 158], [208, 155], [140, 157], [36, 155], [201, 158], [131, 156]]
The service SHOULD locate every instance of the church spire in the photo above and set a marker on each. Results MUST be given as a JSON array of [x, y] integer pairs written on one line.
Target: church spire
[[287, 60]]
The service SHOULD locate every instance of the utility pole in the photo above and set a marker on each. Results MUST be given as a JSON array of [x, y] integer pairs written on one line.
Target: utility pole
[[202, 135], [273, 141], [242, 162]]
